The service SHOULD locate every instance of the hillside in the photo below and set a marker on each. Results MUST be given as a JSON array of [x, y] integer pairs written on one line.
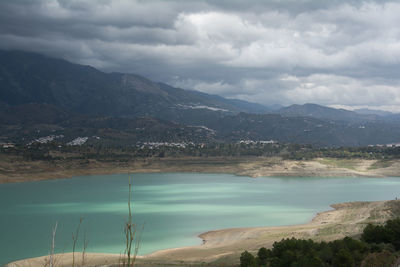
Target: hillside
[[31, 78], [327, 113], [42, 96], [304, 130]]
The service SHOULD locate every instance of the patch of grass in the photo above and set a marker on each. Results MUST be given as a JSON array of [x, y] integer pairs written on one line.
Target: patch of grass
[[340, 163], [329, 230], [381, 164]]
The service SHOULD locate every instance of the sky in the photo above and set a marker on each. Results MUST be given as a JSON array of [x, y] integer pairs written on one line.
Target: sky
[[277, 52]]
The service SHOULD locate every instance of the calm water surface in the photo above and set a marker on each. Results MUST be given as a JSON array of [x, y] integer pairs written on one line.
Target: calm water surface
[[174, 207]]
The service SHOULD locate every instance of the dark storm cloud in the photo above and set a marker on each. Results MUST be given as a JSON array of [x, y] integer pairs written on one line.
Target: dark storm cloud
[[283, 51]]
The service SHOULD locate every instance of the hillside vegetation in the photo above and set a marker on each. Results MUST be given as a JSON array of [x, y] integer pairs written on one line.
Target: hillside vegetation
[[42, 96]]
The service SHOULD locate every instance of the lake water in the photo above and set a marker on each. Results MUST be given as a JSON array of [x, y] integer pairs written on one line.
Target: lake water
[[174, 208]]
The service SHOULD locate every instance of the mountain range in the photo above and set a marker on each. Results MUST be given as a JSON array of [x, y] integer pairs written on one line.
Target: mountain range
[[42, 96]]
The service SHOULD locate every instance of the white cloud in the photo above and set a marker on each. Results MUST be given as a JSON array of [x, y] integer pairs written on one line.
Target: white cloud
[[333, 53], [340, 90]]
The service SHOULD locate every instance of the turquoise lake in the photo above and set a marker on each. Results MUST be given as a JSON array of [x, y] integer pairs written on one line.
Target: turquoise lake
[[174, 207]]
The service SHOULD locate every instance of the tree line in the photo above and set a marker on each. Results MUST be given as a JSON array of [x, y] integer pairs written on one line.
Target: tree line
[[379, 245], [38, 151]]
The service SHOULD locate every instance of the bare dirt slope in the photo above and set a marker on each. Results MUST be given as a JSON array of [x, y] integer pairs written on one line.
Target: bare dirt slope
[[15, 169]]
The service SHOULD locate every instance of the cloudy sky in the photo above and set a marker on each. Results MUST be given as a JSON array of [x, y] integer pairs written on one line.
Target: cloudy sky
[[336, 53]]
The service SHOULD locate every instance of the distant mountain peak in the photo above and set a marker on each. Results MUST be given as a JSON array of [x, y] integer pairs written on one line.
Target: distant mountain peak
[[323, 112]]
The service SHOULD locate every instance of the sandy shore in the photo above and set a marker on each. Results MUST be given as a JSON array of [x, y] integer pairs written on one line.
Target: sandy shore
[[346, 219], [14, 169]]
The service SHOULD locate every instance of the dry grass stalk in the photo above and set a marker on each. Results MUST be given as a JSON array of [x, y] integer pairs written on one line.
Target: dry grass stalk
[[53, 244], [85, 244], [75, 240]]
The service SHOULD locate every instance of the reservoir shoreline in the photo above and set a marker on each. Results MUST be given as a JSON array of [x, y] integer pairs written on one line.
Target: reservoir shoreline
[[14, 169]]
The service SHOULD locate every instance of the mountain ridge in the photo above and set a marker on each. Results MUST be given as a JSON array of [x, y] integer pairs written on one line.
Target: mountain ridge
[[42, 96], [323, 112], [31, 78]]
